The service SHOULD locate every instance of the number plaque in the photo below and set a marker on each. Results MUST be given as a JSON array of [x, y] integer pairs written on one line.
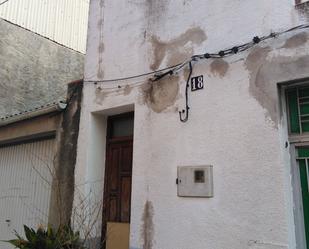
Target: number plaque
[[197, 83]]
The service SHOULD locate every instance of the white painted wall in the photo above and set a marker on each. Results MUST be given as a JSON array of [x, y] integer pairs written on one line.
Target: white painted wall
[[234, 124], [64, 21]]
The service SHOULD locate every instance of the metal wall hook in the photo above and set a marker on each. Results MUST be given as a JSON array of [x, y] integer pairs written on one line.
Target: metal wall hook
[[186, 111]]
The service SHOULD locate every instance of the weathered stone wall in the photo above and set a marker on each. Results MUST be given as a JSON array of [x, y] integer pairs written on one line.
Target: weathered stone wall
[[33, 70], [63, 180]]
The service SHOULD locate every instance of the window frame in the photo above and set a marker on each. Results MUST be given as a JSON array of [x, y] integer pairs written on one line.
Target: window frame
[[296, 141], [302, 135]]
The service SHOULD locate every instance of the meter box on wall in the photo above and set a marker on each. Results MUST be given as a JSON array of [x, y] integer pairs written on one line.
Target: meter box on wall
[[195, 181]]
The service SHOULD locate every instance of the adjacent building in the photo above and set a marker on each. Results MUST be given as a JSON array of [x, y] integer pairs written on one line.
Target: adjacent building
[[62, 21], [39, 110], [35, 70]]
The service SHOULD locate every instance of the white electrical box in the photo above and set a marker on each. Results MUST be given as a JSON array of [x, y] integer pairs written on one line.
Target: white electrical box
[[195, 181]]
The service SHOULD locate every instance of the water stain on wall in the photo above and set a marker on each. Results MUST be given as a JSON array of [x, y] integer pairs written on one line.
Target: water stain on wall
[[100, 72], [303, 10], [186, 2], [99, 96], [100, 23], [101, 48], [219, 67], [296, 40], [127, 90], [177, 49], [155, 13], [261, 90], [265, 74], [147, 229], [161, 94]]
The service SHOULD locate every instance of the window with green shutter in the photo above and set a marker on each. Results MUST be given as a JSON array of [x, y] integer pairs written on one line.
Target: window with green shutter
[[297, 102], [298, 109]]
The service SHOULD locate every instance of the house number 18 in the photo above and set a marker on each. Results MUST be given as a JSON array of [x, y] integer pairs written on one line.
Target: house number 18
[[197, 83]]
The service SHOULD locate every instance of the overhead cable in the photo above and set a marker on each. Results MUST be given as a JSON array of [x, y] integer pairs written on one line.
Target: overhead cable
[[159, 74]]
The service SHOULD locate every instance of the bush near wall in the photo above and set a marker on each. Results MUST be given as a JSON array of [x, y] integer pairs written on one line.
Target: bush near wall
[[63, 238]]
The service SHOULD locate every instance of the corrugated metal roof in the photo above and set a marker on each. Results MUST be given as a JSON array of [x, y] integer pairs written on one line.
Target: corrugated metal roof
[[40, 110], [64, 21]]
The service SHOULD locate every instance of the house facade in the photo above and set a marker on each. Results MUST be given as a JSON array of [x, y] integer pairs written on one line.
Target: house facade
[[220, 163]]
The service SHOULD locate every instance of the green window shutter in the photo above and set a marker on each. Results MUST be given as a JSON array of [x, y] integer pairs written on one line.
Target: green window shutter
[[303, 152], [298, 106], [304, 173], [304, 108], [293, 110]]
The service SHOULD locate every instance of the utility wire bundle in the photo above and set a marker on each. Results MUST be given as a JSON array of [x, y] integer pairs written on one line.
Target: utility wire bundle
[[228, 52], [158, 74]]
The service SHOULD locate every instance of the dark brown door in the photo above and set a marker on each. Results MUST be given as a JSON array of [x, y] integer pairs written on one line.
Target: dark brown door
[[118, 183], [118, 170]]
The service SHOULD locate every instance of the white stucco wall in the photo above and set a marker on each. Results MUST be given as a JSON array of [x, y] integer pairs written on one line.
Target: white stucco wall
[[234, 124]]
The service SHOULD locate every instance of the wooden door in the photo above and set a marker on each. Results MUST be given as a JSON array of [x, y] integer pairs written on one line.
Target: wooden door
[[118, 177], [118, 183]]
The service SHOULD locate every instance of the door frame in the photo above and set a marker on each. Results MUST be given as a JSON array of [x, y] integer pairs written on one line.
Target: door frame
[[299, 218], [110, 141], [292, 142]]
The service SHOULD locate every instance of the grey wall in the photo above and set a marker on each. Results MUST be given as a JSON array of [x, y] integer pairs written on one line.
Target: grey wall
[[33, 70]]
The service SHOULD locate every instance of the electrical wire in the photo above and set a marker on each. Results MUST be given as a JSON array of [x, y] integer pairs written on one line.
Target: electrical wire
[[134, 76], [161, 73], [186, 111]]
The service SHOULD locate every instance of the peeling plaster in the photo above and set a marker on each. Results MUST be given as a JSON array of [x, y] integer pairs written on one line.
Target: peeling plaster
[[177, 49], [219, 67], [147, 231], [127, 90], [265, 74], [261, 91], [296, 40], [161, 94], [99, 96]]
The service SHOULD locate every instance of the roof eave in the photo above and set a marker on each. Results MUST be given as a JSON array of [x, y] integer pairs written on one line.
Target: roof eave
[[55, 107]]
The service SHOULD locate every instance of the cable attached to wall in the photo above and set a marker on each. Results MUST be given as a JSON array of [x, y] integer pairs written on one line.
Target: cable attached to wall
[[159, 74], [171, 70], [186, 111]]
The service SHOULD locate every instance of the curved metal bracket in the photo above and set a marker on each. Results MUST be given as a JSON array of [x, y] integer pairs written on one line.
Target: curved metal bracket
[[186, 111]]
